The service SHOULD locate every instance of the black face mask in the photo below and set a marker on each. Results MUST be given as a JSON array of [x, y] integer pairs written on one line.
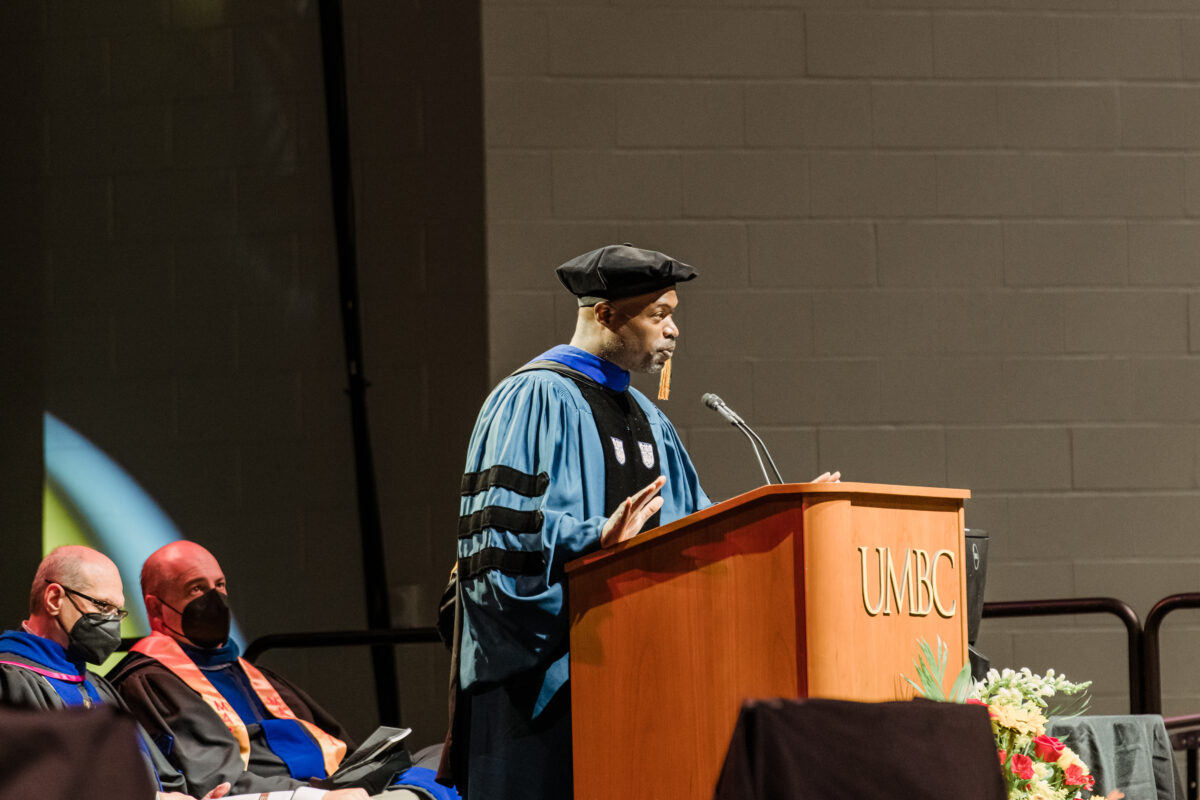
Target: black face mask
[[93, 638], [205, 620]]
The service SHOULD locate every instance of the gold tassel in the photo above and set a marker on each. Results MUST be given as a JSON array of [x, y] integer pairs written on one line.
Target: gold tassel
[[664, 381]]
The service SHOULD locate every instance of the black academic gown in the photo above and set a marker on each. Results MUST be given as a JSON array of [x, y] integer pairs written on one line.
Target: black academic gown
[[197, 742], [21, 688]]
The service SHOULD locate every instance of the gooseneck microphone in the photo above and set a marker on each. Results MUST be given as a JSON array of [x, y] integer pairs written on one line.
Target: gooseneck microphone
[[717, 404]]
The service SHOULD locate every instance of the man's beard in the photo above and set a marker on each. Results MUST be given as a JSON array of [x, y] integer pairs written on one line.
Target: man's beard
[[647, 362], [657, 359]]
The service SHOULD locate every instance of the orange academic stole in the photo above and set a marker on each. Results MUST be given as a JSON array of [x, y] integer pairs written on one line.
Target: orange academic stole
[[166, 651]]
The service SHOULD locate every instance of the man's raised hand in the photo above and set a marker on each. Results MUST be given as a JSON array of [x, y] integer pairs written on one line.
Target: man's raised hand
[[627, 521]]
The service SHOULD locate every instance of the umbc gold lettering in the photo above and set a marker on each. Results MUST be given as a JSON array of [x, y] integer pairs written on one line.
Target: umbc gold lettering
[[871, 610], [925, 586], [897, 592], [917, 580], [942, 611]]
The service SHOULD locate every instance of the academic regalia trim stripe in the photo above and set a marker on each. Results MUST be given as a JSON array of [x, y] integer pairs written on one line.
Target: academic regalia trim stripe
[[508, 561], [504, 477], [500, 518]]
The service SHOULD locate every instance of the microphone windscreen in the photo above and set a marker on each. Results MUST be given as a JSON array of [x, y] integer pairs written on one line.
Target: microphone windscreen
[[711, 400]]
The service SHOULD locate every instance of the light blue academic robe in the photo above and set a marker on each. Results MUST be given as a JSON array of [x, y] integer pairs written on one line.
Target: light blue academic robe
[[537, 422]]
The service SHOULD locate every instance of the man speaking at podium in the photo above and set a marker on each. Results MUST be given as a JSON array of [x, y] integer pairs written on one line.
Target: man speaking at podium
[[566, 457]]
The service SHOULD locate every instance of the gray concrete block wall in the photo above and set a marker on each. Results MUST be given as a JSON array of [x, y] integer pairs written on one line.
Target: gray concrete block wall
[[951, 242]]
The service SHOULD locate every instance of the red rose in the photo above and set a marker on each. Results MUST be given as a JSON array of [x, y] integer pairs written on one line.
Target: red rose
[[1022, 766], [1003, 756], [1075, 776], [1047, 748]]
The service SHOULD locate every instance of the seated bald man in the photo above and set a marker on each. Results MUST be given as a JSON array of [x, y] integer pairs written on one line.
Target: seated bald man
[[215, 716], [75, 613]]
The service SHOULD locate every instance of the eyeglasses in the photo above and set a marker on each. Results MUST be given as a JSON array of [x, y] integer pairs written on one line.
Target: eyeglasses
[[103, 606]]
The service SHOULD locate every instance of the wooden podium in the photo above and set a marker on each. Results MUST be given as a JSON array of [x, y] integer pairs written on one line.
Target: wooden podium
[[793, 590]]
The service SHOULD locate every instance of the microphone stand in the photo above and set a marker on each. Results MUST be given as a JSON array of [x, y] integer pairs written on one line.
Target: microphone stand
[[756, 442], [767, 452], [744, 428]]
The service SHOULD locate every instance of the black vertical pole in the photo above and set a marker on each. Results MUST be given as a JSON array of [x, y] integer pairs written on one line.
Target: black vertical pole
[[333, 59]]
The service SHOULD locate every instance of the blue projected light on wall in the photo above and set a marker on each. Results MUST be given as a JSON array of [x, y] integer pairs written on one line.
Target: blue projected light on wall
[[90, 499]]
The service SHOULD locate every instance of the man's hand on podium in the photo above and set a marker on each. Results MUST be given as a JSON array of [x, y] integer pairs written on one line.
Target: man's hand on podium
[[627, 521]]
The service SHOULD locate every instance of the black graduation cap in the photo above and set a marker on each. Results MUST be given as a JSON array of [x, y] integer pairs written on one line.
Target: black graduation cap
[[621, 270]]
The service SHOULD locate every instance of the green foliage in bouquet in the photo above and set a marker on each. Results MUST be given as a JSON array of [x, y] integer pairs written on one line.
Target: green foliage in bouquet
[[931, 673]]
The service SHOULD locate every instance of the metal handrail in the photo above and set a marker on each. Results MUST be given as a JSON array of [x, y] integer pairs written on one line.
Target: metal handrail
[[340, 639], [1089, 605], [1150, 644]]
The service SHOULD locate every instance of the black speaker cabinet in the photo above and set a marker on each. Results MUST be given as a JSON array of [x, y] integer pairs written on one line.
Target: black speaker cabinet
[[976, 565]]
